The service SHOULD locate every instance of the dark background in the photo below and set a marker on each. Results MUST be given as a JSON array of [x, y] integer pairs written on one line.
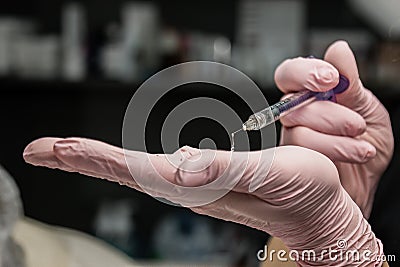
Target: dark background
[[94, 108]]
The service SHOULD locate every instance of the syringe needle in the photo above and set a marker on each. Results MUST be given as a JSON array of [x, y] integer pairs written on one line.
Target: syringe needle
[[233, 139]]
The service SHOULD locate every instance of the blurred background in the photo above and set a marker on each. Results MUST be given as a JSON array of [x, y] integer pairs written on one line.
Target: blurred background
[[71, 68]]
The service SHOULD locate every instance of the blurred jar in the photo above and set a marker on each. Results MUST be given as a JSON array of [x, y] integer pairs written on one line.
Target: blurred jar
[[10, 30], [36, 57]]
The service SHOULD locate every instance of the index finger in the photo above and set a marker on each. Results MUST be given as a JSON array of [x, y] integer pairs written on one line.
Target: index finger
[[306, 73]]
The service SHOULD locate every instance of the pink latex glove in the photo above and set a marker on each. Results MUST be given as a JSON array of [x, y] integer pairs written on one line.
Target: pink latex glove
[[355, 134], [298, 197]]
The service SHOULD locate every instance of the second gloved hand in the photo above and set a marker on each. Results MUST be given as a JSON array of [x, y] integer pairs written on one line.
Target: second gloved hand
[[355, 133]]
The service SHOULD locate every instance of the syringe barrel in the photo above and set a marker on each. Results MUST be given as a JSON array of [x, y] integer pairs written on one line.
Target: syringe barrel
[[271, 114], [275, 112], [292, 102]]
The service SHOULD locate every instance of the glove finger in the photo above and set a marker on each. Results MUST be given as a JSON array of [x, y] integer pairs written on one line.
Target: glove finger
[[326, 117], [40, 153], [305, 73], [154, 174], [91, 156], [337, 148], [339, 54], [54, 153]]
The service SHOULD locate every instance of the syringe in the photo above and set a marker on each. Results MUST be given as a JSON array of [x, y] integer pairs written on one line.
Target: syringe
[[275, 112]]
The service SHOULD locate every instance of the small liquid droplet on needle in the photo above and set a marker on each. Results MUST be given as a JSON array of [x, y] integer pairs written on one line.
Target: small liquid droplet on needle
[[233, 139]]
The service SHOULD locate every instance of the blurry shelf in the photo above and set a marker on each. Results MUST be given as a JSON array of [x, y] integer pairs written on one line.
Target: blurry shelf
[[387, 93]]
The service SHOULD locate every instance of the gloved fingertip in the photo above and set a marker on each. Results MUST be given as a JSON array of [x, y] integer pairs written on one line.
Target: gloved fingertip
[[340, 55], [354, 127], [371, 152], [198, 170], [39, 150], [366, 152], [193, 179], [322, 78], [327, 75], [340, 46], [27, 154], [189, 151]]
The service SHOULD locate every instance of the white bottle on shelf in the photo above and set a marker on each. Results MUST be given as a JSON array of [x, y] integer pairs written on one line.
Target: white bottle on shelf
[[73, 42]]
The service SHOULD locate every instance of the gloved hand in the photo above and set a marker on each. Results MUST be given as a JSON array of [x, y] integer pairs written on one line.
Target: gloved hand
[[298, 199], [355, 133], [298, 196]]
